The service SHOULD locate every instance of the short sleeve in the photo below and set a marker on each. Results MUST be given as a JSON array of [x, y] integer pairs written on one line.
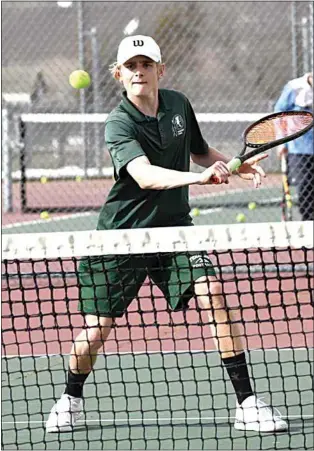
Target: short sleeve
[[286, 100], [198, 144], [121, 141]]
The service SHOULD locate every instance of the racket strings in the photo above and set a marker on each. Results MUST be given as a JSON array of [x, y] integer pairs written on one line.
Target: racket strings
[[278, 127]]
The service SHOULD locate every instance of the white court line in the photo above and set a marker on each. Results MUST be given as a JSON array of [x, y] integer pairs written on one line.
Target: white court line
[[170, 419], [223, 194], [195, 351], [44, 221], [143, 420], [208, 211], [218, 197]]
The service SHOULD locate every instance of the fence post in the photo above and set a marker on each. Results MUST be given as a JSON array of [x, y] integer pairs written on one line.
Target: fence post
[[311, 25], [7, 164], [294, 40], [96, 96], [81, 55], [305, 45]]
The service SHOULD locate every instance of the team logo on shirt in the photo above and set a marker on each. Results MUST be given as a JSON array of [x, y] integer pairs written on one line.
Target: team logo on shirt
[[200, 261], [178, 125]]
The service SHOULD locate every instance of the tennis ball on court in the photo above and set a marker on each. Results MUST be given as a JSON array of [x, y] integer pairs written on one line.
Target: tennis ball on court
[[252, 205], [78, 178], [44, 215], [241, 217], [79, 79], [195, 212], [43, 179]]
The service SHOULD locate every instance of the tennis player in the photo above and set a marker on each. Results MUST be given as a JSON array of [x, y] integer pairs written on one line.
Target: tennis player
[[297, 95], [151, 136]]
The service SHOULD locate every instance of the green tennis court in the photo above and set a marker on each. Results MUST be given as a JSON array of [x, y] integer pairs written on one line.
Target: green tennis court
[[137, 401]]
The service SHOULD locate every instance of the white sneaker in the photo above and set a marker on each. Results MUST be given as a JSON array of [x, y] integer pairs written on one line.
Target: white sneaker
[[255, 415], [64, 414]]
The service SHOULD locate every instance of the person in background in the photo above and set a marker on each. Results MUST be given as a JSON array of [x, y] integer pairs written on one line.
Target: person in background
[[297, 95]]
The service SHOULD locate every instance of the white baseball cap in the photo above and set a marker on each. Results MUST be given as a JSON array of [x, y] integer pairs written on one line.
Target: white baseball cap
[[138, 45]]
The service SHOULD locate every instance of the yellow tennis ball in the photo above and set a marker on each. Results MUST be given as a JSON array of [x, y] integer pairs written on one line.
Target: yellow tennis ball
[[195, 212], [78, 178], [43, 179], [79, 79], [241, 217], [252, 205], [44, 215]]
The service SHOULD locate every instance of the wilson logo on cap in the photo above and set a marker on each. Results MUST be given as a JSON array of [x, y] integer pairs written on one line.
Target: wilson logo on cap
[[138, 43]]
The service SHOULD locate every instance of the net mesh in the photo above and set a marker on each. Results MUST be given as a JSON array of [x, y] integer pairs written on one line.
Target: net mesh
[[279, 127], [158, 382]]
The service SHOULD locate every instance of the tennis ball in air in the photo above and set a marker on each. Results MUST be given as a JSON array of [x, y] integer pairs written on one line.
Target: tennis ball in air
[[241, 217], [78, 178], [79, 79], [195, 212], [252, 205], [43, 180], [44, 215]]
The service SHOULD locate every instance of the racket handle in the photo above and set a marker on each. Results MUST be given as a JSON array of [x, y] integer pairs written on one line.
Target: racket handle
[[233, 165]]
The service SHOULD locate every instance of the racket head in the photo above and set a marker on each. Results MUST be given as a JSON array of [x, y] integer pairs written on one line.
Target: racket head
[[277, 128]]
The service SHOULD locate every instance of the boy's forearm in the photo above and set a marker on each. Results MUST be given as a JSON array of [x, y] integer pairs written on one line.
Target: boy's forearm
[[210, 158], [157, 178]]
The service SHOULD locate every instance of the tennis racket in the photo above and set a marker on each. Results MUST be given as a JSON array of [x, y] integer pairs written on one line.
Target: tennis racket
[[286, 205], [271, 131]]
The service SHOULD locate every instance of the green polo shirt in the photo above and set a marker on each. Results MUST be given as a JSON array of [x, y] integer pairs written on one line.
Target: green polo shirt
[[167, 141]]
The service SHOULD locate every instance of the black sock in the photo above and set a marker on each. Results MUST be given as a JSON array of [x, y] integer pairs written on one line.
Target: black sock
[[75, 383], [238, 372]]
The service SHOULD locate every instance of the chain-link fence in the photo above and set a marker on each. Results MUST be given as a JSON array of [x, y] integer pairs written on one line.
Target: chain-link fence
[[227, 57]]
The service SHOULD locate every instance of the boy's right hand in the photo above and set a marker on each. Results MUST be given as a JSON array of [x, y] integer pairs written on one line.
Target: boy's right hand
[[218, 173]]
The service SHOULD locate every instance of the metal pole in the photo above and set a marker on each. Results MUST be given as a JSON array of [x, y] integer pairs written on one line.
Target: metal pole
[[7, 164], [294, 40], [311, 16], [81, 55], [305, 45], [96, 96], [22, 137]]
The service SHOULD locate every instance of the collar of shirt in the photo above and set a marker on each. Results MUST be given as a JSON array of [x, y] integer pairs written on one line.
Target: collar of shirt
[[137, 115]]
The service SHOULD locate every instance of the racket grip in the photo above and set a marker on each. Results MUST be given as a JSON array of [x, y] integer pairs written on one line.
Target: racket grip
[[233, 165]]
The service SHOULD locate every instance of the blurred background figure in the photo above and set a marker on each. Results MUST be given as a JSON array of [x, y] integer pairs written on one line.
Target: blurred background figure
[[40, 88], [297, 95]]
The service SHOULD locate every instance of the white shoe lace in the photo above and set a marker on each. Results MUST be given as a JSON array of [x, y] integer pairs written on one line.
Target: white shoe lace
[[270, 410], [74, 405]]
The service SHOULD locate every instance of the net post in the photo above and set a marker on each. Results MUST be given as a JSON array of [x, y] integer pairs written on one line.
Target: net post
[[22, 133], [7, 164]]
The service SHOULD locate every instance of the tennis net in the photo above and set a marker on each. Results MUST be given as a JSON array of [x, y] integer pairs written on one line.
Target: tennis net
[[158, 382]]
